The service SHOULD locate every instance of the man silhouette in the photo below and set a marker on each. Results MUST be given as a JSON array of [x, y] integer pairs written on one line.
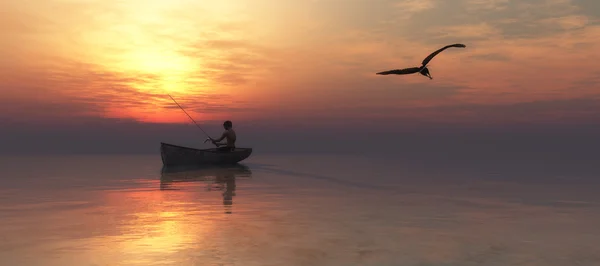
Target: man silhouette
[[228, 134]]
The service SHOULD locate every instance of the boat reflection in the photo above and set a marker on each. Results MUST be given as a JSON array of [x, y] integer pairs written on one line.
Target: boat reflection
[[219, 178]]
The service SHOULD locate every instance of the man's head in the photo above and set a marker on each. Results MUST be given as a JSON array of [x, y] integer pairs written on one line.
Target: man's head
[[227, 124]]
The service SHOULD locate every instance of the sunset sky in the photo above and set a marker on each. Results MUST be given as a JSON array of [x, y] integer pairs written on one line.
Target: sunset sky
[[307, 62]]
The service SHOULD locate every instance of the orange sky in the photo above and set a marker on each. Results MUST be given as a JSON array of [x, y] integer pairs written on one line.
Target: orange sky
[[271, 59]]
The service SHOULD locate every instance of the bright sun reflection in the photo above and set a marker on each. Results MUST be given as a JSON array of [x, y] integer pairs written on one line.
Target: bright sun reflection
[[153, 227], [162, 236]]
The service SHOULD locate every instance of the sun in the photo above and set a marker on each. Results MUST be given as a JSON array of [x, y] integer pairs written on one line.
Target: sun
[[155, 70], [169, 71], [140, 51], [158, 60]]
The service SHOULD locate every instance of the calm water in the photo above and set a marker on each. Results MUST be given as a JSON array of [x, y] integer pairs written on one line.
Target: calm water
[[298, 210]]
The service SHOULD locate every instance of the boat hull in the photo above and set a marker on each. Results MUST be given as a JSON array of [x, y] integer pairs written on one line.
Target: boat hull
[[173, 155]]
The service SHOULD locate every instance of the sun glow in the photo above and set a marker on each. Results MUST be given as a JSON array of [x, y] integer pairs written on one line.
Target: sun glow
[[155, 115], [269, 59], [163, 66], [133, 54], [159, 62], [141, 227]]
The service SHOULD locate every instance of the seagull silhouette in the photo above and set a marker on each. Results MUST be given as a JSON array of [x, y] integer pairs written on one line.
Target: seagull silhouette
[[423, 70]]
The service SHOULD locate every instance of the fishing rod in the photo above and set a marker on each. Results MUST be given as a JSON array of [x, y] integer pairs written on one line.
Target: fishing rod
[[192, 120]]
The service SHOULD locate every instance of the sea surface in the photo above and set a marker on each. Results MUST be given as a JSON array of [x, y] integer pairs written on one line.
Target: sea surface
[[303, 209]]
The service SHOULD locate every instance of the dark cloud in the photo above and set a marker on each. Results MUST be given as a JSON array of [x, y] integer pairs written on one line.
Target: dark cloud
[[396, 137], [576, 111], [553, 111], [589, 8], [388, 90], [39, 111], [507, 19]]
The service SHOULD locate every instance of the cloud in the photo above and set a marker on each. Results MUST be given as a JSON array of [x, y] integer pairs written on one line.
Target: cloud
[[507, 19], [588, 7], [570, 111], [486, 5], [129, 61], [409, 8], [465, 33], [491, 56], [45, 112], [230, 62], [570, 22], [85, 89], [577, 110], [412, 135], [272, 59]]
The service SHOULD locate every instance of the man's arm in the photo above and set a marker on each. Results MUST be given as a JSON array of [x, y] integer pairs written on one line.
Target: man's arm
[[219, 139]]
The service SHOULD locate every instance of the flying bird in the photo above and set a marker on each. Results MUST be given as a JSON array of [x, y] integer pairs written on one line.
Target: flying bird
[[423, 70]]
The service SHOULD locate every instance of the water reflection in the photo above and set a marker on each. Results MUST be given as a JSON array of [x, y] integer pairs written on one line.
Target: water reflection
[[297, 213], [219, 178]]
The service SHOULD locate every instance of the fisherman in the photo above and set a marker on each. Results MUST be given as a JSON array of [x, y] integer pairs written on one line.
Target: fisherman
[[229, 134]]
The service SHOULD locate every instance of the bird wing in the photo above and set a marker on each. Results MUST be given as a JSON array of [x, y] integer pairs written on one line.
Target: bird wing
[[428, 58], [403, 71]]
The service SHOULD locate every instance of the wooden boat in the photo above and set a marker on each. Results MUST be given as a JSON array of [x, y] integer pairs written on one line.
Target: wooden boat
[[173, 155]]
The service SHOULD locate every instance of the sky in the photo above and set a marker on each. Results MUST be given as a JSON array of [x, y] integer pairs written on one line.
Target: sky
[[71, 69]]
